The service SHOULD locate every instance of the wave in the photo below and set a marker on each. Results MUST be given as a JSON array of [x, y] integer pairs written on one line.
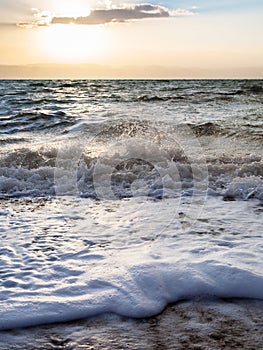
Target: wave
[[6, 140], [162, 130], [155, 98], [193, 97], [130, 160], [35, 121], [248, 132], [206, 129], [256, 88]]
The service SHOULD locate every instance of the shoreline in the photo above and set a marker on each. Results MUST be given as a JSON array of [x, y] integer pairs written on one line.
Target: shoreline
[[200, 323]]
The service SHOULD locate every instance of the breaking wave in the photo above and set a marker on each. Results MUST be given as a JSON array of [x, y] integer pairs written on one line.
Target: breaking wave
[[130, 159]]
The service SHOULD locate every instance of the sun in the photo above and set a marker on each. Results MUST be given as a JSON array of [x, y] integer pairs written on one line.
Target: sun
[[72, 43]]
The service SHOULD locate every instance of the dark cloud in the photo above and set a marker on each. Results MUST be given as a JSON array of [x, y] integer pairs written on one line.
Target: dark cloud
[[116, 15], [102, 16]]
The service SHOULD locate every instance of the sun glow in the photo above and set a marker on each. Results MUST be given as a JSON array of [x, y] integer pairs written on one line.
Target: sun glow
[[71, 8], [73, 43]]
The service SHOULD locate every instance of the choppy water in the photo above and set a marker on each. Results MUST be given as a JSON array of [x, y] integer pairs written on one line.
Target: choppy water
[[123, 196]]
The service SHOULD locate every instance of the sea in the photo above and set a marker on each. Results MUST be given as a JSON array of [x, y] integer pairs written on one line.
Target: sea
[[122, 196]]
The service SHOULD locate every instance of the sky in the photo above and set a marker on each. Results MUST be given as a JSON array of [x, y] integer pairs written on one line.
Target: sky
[[170, 39]]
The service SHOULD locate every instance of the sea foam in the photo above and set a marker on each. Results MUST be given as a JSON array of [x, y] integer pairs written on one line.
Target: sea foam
[[140, 289], [69, 259]]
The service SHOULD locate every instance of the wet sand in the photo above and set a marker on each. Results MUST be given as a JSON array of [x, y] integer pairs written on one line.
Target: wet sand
[[196, 324]]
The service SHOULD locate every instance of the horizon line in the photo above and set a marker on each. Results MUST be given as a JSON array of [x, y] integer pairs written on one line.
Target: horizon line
[[100, 71]]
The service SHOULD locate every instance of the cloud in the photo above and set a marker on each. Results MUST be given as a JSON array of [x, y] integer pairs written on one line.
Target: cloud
[[182, 12], [108, 15], [41, 19], [116, 15]]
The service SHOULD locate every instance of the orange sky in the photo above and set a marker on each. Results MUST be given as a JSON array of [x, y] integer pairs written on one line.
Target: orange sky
[[133, 37]]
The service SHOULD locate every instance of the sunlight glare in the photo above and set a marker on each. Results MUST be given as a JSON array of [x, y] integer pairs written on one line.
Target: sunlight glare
[[69, 8], [73, 43]]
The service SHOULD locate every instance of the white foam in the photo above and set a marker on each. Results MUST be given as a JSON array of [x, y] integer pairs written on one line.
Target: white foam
[[78, 168], [75, 259], [246, 187], [133, 289]]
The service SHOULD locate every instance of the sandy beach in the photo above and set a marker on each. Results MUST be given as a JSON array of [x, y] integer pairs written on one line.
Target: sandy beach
[[196, 324]]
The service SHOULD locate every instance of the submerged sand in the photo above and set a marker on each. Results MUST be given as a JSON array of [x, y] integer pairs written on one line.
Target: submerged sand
[[190, 324]]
